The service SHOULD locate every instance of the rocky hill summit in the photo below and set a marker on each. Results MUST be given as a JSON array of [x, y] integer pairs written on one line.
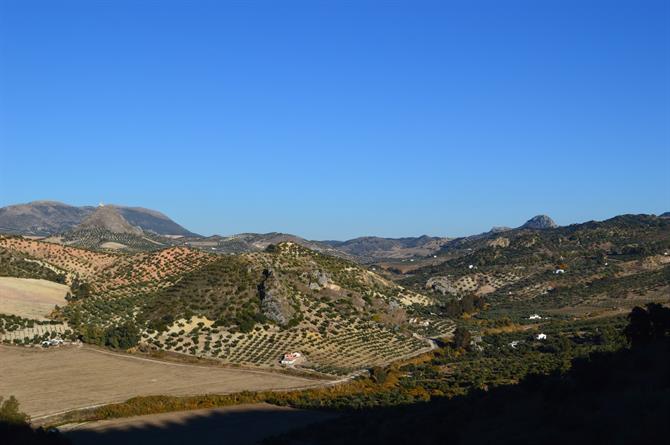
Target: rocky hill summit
[[539, 222], [109, 218]]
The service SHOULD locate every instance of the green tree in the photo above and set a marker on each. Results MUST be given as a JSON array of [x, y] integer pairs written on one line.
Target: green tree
[[10, 413], [122, 337], [461, 338]]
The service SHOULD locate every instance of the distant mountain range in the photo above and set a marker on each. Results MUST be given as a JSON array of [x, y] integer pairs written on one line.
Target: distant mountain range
[[45, 218], [136, 228]]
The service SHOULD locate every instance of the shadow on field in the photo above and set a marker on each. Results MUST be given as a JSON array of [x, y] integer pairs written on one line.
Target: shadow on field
[[218, 426]]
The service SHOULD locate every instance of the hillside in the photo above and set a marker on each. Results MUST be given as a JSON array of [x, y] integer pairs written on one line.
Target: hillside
[[575, 269], [248, 309], [362, 250], [254, 242], [251, 307], [372, 248], [41, 218]]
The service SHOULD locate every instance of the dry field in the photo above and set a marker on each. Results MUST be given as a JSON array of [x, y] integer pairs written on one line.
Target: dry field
[[47, 382], [240, 425], [30, 298], [113, 245]]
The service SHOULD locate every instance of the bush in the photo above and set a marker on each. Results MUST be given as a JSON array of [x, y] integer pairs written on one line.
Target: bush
[[122, 337], [9, 411]]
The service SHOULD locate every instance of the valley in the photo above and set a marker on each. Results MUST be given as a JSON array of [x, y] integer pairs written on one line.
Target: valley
[[150, 324]]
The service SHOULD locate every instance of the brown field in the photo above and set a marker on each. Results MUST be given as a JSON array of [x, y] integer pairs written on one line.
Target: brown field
[[30, 298], [242, 424], [49, 382], [112, 245]]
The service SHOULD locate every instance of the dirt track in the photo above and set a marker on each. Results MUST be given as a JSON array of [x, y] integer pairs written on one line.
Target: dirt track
[[48, 382]]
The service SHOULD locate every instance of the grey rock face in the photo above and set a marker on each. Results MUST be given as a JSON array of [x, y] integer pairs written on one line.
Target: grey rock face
[[441, 284], [275, 304], [540, 222]]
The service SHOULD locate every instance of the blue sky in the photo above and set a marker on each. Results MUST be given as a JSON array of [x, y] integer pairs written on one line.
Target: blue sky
[[339, 119]]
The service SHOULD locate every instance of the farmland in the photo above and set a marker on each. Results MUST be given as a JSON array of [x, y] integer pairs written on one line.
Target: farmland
[[57, 380], [30, 298]]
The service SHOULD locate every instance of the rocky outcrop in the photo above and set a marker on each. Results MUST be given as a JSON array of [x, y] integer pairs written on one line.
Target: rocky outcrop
[[539, 222], [499, 242], [442, 284], [318, 280], [275, 303]]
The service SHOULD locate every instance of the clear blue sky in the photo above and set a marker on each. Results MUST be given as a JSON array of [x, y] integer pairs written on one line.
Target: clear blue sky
[[341, 118]]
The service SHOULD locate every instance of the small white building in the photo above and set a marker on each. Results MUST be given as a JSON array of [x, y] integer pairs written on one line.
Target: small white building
[[416, 320], [559, 271], [291, 358], [541, 337], [535, 317]]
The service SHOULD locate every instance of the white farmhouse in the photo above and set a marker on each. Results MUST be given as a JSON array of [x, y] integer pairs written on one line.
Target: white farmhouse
[[291, 358]]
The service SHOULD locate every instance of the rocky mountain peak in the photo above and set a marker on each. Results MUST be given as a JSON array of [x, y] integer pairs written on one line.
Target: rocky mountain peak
[[540, 222], [108, 218]]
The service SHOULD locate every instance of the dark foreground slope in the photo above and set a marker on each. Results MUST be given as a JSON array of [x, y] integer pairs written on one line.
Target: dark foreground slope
[[620, 397]]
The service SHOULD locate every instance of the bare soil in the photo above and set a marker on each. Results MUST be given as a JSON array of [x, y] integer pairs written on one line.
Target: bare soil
[[53, 381], [30, 298]]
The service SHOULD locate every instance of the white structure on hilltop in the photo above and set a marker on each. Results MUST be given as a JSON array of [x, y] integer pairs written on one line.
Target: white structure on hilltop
[[541, 337]]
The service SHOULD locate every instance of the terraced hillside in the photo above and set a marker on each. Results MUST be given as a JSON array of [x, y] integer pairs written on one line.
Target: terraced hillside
[[101, 239], [103, 272], [583, 267], [245, 309]]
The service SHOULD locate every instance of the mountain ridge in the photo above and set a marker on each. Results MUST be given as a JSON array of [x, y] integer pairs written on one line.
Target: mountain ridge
[[46, 218]]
